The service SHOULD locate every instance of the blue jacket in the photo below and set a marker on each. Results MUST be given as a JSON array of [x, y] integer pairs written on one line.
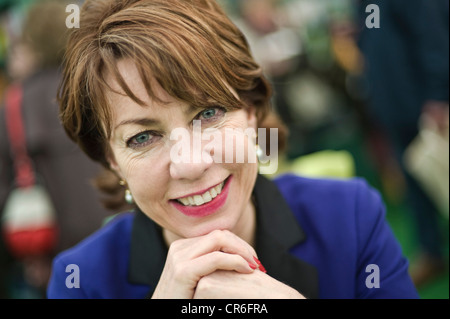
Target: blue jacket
[[325, 238]]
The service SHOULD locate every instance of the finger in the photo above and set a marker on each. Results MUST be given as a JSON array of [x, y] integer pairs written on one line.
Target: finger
[[218, 240], [209, 263], [224, 241]]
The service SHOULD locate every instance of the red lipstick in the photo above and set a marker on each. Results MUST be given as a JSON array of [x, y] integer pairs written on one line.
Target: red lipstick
[[207, 208]]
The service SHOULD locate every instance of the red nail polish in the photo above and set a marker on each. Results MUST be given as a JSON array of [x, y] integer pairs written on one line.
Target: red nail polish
[[252, 266], [261, 267]]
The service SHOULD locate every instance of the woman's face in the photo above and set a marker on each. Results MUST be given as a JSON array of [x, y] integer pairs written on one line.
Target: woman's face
[[188, 184]]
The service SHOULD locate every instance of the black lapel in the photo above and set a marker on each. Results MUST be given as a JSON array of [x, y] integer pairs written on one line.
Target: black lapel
[[277, 232], [147, 252]]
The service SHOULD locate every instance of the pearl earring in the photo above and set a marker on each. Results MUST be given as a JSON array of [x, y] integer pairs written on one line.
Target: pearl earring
[[259, 152], [128, 196]]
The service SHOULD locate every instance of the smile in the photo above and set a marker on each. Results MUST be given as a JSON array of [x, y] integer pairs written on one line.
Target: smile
[[204, 203], [200, 199]]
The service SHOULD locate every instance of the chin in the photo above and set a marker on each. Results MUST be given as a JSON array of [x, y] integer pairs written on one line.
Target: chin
[[200, 228]]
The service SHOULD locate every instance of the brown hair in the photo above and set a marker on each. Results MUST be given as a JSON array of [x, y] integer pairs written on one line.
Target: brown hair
[[190, 47]]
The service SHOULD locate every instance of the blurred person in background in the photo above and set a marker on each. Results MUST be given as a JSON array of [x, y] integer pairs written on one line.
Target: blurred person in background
[[33, 62], [407, 72]]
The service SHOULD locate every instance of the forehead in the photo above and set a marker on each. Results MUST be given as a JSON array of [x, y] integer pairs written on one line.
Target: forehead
[[156, 96], [131, 77], [125, 110]]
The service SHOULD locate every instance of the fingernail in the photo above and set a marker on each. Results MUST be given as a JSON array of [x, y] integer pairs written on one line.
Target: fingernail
[[252, 266], [261, 267]]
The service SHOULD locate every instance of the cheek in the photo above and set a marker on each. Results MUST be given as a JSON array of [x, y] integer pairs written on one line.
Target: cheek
[[146, 177], [234, 142], [148, 180], [245, 174]]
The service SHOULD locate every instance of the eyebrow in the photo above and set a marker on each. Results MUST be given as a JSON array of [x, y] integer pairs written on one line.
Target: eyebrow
[[141, 122], [151, 121]]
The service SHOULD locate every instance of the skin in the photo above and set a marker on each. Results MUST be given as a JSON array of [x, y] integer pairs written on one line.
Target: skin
[[217, 245]]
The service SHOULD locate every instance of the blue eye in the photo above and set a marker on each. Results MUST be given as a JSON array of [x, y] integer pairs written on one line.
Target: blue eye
[[212, 114], [209, 113], [141, 139]]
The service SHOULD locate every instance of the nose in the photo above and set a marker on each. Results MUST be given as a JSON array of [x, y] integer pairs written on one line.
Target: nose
[[190, 171], [190, 164]]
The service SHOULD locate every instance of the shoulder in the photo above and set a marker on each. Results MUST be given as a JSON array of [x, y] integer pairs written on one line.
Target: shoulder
[[107, 237], [292, 181], [346, 229], [98, 258], [334, 210], [326, 194]]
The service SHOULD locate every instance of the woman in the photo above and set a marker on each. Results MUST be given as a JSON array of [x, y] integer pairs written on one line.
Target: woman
[[138, 71]]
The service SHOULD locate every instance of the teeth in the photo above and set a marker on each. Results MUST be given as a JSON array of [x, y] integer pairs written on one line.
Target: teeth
[[184, 201], [206, 197], [198, 200]]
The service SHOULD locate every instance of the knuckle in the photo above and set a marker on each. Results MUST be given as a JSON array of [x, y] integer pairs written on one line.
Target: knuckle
[[176, 245], [226, 233], [204, 284], [217, 235], [174, 255], [227, 261]]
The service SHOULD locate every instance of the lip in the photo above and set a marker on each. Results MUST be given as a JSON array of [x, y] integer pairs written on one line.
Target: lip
[[208, 208]]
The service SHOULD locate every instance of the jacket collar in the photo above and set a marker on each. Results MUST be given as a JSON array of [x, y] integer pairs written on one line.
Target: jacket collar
[[277, 232]]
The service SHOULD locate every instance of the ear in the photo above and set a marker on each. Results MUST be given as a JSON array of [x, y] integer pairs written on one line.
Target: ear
[[113, 164]]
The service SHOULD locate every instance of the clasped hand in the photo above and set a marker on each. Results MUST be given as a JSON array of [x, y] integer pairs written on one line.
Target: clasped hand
[[217, 265]]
